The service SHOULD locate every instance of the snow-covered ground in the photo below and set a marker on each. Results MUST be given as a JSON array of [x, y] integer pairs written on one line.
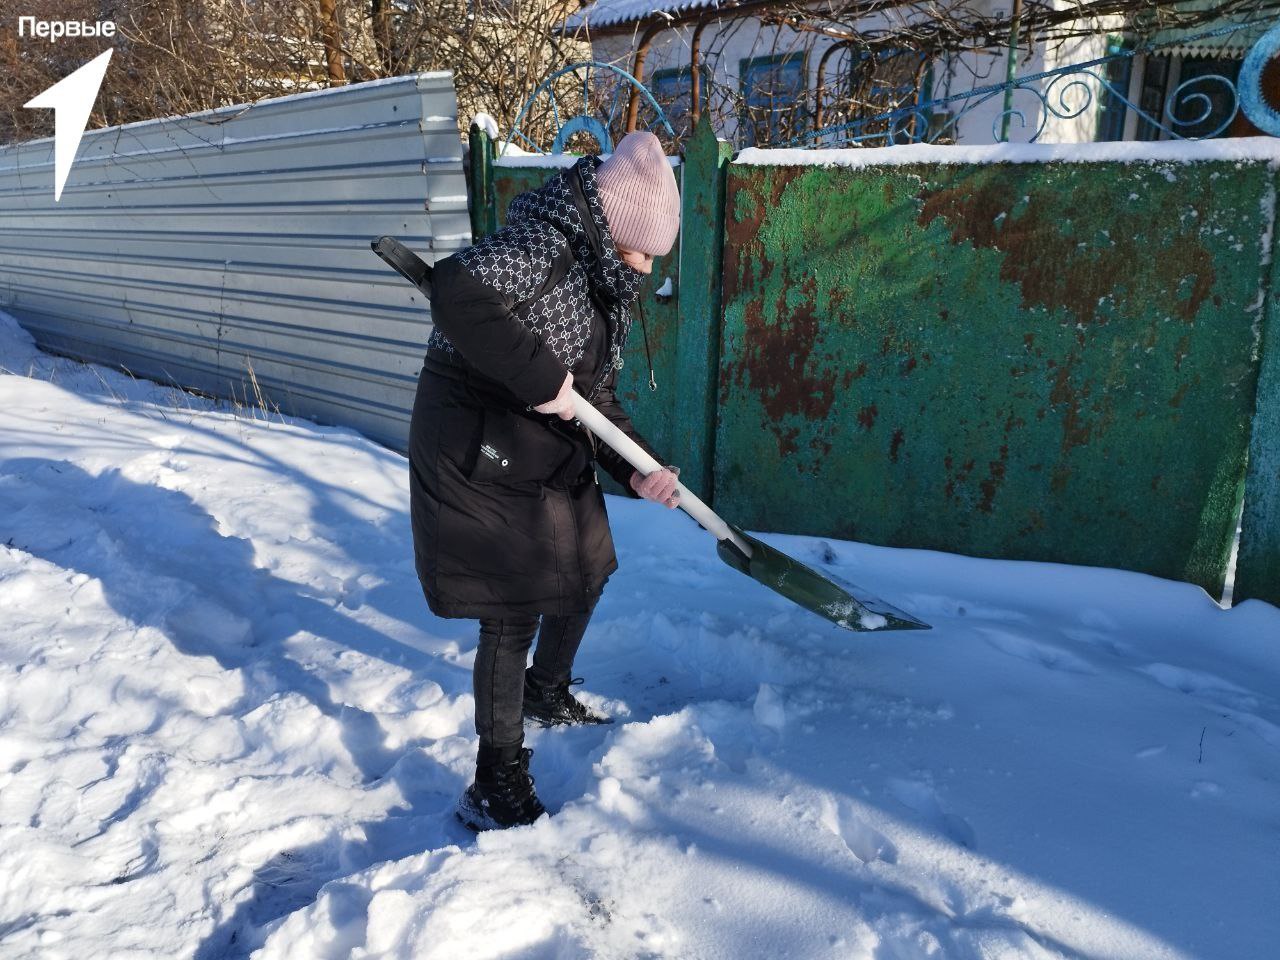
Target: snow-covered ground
[[230, 727]]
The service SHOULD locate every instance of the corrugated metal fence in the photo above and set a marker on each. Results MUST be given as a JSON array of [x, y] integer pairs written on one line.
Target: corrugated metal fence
[[187, 248]]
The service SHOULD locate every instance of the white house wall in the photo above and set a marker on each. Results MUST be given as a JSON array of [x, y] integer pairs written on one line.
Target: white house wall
[[726, 44]]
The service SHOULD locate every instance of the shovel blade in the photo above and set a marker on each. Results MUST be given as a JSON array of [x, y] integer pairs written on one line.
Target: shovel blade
[[842, 603]]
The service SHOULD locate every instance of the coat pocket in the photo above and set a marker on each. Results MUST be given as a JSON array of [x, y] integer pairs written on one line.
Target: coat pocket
[[458, 433], [516, 449]]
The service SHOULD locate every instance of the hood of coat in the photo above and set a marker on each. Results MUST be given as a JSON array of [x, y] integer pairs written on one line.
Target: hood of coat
[[591, 243]]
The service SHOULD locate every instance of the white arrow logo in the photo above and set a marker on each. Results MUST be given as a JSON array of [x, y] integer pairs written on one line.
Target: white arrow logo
[[71, 99]]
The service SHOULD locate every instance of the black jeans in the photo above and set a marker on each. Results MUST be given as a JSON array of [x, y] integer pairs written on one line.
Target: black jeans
[[500, 664]]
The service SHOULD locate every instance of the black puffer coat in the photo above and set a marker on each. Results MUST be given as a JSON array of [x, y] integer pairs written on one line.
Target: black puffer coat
[[508, 516]]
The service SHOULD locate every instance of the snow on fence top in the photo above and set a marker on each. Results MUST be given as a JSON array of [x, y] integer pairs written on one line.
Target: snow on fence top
[[1176, 151], [542, 160], [1266, 149], [546, 160]]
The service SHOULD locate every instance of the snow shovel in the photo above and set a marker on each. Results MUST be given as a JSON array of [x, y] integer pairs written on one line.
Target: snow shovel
[[841, 603]]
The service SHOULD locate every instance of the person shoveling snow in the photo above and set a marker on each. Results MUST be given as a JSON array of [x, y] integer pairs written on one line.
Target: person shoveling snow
[[512, 530], [509, 519]]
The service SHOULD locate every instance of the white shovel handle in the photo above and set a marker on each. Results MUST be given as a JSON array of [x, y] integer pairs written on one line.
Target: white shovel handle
[[634, 454]]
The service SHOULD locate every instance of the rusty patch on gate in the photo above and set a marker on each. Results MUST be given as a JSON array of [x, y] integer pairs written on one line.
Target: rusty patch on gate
[[1052, 267]]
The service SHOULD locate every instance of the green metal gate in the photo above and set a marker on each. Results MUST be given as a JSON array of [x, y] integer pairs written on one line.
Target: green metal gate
[[1059, 361]]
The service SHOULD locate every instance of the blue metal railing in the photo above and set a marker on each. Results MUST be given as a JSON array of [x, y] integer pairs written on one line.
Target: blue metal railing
[[583, 119], [1067, 92]]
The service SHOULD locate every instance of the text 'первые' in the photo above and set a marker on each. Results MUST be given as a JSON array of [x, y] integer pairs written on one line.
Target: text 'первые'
[[55, 30]]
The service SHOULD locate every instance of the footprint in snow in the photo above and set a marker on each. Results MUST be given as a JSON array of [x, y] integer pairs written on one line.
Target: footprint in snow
[[1098, 619], [1203, 685], [923, 799], [1203, 789], [824, 552], [943, 607], [863, 840], [1097, 638], [1035, 651], [353, 592]]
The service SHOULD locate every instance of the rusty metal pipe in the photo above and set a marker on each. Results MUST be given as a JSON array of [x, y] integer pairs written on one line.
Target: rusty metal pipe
[[637, 71], [921, 71], [822, 79], [695, 68]]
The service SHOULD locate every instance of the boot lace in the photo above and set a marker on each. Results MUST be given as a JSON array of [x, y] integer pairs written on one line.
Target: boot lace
[[566, 700], [516, 779]]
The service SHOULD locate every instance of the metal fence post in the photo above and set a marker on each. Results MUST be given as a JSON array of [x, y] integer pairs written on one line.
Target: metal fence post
[[1258, 563], [698, 331], [484, 211]]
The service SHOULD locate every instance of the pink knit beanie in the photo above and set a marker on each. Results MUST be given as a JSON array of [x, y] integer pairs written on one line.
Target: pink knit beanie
[[639, 195]]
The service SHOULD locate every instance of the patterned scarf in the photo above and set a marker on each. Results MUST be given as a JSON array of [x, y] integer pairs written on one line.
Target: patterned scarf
[[611, 279], [516, 257]]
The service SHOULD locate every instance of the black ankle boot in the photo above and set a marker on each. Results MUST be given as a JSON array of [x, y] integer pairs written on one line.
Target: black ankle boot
[[502, 795], [554, 705]]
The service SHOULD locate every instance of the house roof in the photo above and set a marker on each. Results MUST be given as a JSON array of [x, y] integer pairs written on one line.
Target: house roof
[[609, 16], [613, 13]]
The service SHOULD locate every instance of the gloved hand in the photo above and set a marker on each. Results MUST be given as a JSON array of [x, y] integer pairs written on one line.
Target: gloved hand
[[659, 486], [562, 404]]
